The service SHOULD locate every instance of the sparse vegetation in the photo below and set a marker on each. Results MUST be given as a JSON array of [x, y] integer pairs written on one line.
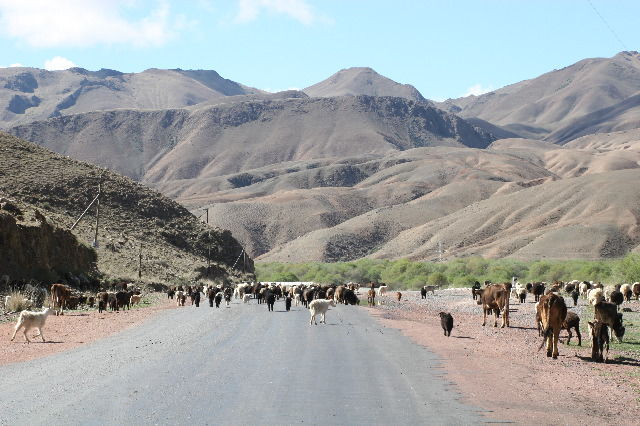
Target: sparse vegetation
[[18, 302], [406, 274]]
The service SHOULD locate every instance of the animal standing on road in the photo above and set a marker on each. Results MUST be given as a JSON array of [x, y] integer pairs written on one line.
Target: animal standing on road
[[371, 297], [599, 341], [320, 306], [398, 295], [59, 295], [552, 312]]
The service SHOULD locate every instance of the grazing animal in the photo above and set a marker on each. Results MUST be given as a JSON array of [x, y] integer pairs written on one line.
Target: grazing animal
[[135, 299], [572, 321], [29, 320], [595, 296], [287, 302], [271, 300], [599, 341], [446, 321], [607, 313], [371, 297], [474, 289], [382, 290], [616, 297], [553, 312], [218, 299], [636, 290], [626, 291], [574, 295], [59, 295], [398, 295], [320, 306], [495, 297], [430, 288], [180, 298]]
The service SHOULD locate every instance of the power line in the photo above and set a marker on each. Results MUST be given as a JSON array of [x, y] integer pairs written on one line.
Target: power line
[[624, 47]]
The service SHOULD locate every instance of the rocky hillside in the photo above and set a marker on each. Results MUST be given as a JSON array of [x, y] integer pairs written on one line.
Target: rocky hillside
[[174, 242], [171, 148], [31, 247], [591, 96], [31, 94]]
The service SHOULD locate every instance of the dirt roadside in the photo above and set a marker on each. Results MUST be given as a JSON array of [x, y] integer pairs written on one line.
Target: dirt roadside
[[502, 371], [73, 329]]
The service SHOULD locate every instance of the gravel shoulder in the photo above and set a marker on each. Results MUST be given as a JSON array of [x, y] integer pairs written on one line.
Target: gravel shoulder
[[502, 371], [75, 328]]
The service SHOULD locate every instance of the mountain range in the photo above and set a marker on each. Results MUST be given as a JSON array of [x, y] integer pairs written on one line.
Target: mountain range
[[359, 165]]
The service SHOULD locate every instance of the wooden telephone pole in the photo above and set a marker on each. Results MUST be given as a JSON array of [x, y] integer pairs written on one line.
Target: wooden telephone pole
[[95, 238]]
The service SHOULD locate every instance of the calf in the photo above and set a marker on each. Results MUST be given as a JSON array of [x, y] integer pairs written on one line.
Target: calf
[[59, 295], [572, 321], [135, 299], [398, 295], [446, 321], [474, 289], [626, 291], [607, 313], [574, 295], [123, 298], [599, 341], [537, 289], [552, 311], [423, 293], [29, 320], [371, 297]]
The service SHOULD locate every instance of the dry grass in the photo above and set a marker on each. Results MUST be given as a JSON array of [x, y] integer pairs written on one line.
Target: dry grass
[[18, 302]]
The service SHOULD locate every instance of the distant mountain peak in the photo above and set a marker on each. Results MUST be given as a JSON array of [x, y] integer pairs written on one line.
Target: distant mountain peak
[[357, 81]]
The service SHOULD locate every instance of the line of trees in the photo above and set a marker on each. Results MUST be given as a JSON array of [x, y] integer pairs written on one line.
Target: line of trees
[[407, 274]]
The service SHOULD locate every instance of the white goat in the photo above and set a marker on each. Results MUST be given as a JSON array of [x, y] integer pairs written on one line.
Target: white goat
[[29, 320], [296, 298], [382, 290], [319, 306]]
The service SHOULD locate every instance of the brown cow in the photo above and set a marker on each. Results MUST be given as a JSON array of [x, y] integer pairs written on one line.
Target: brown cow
[[371, 297], [599, 341], [552, 312], [60, 293], [495, 297]]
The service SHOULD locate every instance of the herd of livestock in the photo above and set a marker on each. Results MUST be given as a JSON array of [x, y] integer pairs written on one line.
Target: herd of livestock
[[552, 314]]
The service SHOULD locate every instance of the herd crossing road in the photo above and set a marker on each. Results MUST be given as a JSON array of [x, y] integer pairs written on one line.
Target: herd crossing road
[[240, 365]]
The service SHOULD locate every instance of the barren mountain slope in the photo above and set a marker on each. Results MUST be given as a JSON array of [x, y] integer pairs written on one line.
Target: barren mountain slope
[[173, 241], [158, 147], [30, 94], [587, 217], [534, 108], [362, 81], [622, 140]]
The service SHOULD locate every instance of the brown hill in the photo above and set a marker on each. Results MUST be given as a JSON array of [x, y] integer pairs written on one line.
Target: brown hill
[[362, 81], [31, 94], [174, 242], [563, 99], [169, 146]]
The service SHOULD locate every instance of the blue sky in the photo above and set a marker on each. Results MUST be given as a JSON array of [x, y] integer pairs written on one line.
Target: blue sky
[[444, 48]]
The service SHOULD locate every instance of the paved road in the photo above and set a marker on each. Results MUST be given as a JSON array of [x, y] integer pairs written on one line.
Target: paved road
[[240, 365]]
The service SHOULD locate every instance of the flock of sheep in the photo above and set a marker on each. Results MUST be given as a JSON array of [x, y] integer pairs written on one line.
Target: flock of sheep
[[552, 314]]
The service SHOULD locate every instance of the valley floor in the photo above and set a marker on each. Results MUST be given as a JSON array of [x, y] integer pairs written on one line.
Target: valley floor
[[502, 371]]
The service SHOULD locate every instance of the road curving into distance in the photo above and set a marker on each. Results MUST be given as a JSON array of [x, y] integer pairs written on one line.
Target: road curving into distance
[[240, 365]]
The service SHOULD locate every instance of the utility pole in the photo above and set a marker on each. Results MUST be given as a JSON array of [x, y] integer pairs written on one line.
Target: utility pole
[[95, 238], [208, 247], [140, 262]]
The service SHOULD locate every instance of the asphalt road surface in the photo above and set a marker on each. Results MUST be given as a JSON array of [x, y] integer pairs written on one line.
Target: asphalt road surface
[[240, 365]]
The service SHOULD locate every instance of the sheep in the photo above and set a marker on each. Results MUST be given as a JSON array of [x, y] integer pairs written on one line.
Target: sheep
[[626, 291], [246, 297], [584, 288], [29, 320], [608, 290], [319, 306], [595, 296], [446, 321], [616, 297]]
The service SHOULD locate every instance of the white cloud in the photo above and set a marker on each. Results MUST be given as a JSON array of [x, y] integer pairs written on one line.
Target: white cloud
[[477, 90], [58, 63], [72, 23], [17, 64], [249, 10]]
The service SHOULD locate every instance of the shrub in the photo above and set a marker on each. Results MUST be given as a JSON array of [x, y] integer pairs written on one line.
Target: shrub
[[18, 302]]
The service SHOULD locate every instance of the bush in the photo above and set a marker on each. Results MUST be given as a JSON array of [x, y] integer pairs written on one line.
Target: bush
[[18, 303]]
